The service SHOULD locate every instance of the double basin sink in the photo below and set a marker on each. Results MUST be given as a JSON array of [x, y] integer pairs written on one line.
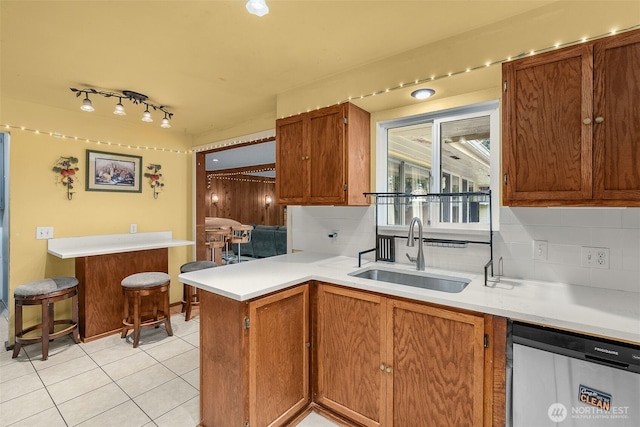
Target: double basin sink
[[417, 280]]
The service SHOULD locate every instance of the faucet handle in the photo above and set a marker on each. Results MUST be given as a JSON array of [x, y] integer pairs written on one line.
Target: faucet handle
[[412, 259]]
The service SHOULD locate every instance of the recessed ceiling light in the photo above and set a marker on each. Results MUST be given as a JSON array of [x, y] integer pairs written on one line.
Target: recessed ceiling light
[[423, 93]]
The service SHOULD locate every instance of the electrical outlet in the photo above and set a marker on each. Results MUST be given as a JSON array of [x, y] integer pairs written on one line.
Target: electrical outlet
[[595, 257], [133, 228], [44, 233], [540, 250]]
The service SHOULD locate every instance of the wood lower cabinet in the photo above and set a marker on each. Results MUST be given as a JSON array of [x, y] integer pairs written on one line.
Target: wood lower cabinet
[[323, 157], [571, 124], [254, 359], [387, 362], [361, 358], [349, 338]]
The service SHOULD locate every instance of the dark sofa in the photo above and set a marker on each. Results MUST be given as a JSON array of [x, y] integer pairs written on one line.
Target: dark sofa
[[266, 241]]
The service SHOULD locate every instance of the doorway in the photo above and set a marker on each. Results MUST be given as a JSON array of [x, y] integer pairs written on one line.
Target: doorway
[[236, 183]]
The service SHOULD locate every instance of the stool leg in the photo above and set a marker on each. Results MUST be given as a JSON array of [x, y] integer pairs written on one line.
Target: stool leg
[[45, 328], [74, 318], [184, 298], [167, 314], [136, 320], [125, 319], [189, 297], [18, 330]]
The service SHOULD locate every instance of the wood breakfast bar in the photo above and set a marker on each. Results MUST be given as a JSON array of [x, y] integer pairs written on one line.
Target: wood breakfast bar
[[101, 262]]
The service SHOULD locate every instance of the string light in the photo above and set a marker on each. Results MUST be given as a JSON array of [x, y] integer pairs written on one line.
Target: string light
[[59, 135], [489, 64]]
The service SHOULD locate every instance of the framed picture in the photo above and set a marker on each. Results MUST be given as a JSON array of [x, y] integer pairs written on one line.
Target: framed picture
[[113, 172]]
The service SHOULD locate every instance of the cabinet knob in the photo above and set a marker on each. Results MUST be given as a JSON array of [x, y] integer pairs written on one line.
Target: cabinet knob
[[306, 158], [587, 121], [382, 367], [302, 158], [388, 369], [599, 119]]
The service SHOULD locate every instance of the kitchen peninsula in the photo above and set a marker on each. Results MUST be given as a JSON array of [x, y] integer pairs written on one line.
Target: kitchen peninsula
[[101, 262], [352, 346]]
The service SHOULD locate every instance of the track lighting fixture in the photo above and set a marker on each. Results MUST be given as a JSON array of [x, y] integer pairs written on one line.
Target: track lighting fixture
[[165, 122], [119, 111], [257, 7], [86, 104], [134, 97]]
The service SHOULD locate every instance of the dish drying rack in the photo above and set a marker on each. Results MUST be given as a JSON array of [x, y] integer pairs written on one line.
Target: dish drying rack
[[385, 244]]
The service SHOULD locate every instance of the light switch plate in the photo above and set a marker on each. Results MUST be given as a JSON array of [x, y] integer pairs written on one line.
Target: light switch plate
[[44, 233], [540, 250]]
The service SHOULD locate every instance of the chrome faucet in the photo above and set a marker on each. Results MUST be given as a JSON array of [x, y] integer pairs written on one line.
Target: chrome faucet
[[419, 260]]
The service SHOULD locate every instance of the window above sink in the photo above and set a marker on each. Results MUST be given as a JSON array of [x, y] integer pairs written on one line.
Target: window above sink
[[449, 151]]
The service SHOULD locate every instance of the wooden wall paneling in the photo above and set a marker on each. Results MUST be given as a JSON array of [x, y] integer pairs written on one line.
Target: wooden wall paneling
[[100, 299]]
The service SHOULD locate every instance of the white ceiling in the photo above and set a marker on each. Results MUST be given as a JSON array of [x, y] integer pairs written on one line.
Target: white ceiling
[[211, 63]]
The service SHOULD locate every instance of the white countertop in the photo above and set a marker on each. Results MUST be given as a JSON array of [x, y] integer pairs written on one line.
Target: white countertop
[[74, 247], [602, 312]]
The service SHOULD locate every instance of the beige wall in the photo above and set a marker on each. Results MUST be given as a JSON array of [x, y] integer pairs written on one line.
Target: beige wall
[[38, 199]]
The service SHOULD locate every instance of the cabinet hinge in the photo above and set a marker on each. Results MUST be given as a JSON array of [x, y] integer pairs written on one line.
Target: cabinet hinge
[[246, 324], [344, 187], [505, 178], [246, 424], [486, 341], [346, 121], [505, 85]]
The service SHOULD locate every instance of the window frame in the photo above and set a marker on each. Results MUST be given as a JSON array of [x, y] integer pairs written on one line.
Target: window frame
[[491, 109]]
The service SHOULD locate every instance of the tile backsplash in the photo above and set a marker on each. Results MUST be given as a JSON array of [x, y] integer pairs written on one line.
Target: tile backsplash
[[566, 231]]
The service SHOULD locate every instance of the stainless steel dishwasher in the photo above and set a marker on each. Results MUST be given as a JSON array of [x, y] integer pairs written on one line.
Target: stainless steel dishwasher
[[571, 380]]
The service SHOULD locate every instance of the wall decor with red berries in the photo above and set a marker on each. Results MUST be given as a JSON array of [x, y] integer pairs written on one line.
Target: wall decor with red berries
[[155, 178], [65, 169]]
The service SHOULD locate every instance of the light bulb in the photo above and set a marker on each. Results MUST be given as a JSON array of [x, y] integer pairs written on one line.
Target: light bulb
[[146, 116], [423, 93], [119, 111], [257, 7], [165, 123], [86, 104]]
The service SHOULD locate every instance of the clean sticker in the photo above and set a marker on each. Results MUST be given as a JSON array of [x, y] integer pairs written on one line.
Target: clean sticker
[[594, 397]]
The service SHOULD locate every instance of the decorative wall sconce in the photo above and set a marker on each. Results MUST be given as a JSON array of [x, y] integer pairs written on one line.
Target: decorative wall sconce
[[267, 201], [155, 178], [214, 198], [65, 168], [134, 97]]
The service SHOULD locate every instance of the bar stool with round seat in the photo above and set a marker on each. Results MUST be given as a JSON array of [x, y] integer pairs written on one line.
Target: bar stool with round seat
[[150, 285], [45, 292], [239, 234], [191, 294]]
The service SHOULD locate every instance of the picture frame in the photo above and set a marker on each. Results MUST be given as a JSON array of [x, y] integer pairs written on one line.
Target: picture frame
[[113, 172]]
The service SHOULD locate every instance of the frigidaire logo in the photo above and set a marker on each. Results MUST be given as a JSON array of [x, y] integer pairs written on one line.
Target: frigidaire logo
[[557, 412], [605, 350]]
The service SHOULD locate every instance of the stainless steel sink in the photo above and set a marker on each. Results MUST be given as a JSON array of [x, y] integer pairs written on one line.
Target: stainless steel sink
[[433, 282]]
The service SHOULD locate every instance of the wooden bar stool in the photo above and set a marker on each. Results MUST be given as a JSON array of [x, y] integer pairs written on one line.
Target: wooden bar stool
[[216, 239], [45, 292], [191, 294], [135, 287]]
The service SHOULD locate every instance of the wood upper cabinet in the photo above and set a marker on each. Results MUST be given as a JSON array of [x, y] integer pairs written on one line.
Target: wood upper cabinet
[[387, 362], [571, 125], [323, 157], [254, 358]]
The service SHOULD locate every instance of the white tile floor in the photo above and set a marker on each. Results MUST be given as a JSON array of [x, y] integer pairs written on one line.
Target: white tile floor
[[107, 382]]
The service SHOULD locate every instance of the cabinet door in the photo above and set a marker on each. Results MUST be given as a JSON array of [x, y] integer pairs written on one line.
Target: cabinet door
[[436, 358], [617, 112], [349, 348], [547, 146], [292, 160], [278, 356], [327, 156]]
